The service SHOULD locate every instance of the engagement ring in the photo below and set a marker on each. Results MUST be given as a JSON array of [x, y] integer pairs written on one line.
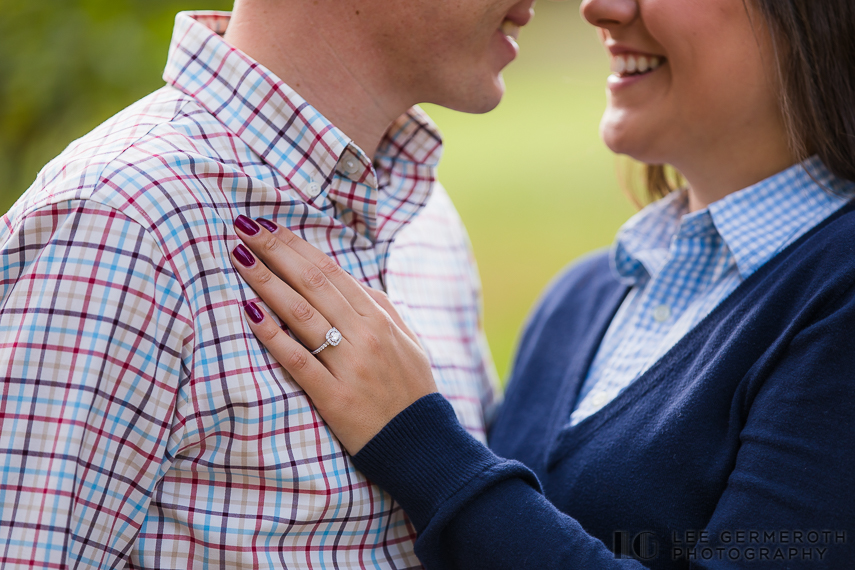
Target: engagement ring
[[333, 339]]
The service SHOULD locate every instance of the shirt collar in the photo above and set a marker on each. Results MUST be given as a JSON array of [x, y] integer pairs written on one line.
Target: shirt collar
[[270, 117], [760, 221], [755, 223], [642, 244]]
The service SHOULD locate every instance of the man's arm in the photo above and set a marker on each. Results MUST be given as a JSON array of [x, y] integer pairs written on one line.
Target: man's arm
[[93, 331]]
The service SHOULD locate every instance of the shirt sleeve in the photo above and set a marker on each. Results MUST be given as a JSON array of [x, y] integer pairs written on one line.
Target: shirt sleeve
[[491, 391], [93, 330]]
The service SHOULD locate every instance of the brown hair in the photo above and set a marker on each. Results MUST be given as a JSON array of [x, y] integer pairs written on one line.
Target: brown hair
[[814, 43]]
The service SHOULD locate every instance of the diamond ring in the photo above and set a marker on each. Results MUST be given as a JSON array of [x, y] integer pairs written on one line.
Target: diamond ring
[[333, 339]]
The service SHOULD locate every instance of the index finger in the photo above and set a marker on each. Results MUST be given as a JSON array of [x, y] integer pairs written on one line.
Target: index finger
[[349, 287]]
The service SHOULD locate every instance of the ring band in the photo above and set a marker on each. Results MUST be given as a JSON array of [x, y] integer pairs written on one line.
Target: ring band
[[333, 339]]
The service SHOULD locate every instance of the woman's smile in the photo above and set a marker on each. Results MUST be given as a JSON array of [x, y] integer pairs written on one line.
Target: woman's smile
[[628, 67], [692, 85]]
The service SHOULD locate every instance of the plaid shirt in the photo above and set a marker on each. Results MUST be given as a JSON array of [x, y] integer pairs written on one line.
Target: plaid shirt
[[682, 265], [143, 425]]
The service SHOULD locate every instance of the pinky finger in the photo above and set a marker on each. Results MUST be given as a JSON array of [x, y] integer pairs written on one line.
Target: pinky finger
[[381, 299], [306, 370]]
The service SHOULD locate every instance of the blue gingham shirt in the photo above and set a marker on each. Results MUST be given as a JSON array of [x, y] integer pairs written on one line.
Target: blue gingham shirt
[[681, 265]]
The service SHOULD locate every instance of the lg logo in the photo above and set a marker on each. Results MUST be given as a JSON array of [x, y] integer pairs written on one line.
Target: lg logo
[[642, 546]]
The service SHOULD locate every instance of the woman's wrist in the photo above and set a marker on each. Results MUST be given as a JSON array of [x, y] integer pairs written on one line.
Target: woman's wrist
[[424, 458]]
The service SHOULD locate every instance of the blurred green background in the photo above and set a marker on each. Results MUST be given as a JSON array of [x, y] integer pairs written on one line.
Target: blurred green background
[[532, 180]]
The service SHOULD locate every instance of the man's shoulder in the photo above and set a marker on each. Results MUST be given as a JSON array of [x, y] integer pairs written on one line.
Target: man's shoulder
[[77, 172], [154, 165], [151, 159]]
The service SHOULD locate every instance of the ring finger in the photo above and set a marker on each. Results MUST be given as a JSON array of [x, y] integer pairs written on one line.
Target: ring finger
[[308, 325]]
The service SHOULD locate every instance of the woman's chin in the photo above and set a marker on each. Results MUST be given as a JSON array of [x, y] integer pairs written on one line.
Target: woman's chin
[[630, 143]]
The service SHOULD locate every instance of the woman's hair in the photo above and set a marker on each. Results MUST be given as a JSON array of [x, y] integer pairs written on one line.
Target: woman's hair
[[814, 50]]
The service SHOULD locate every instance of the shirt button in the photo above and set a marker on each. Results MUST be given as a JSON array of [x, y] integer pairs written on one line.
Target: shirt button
[[313, 189], [350, 165], [662, 313], [600, 399]]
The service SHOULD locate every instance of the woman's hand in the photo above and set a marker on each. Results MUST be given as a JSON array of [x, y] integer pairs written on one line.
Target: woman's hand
[[376, 371]]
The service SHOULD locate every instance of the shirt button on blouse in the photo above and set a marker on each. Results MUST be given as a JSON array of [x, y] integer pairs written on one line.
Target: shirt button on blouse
[[313, 189], [662, 313], [600, 399]]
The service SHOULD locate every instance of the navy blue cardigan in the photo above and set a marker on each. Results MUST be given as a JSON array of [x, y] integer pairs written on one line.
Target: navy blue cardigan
[[736, 449]]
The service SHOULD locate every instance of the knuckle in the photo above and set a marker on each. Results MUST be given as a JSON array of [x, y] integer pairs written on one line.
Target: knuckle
[[372, 342], [329, 267], [263, 276], [381, 295], [381, 321], [289, 239], [361, 370], [270, 244], [267, 334], [302, 311], [297, 359], [313, 278], [382, 299]]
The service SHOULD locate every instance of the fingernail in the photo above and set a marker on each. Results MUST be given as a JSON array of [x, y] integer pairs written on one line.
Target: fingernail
[[253, 312], [267, 224], [246, 225], [244, 256]]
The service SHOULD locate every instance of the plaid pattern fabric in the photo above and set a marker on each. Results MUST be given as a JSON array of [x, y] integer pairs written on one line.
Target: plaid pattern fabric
[[142, 424], [682, 265]]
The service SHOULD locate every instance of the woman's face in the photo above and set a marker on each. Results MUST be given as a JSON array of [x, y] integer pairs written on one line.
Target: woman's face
[[692, 81]]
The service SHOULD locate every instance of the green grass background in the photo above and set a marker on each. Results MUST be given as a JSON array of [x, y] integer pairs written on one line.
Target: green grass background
[[533, 183]]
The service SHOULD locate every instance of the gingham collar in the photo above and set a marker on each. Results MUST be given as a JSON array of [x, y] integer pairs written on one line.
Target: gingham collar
[[271, 118], [758, 222], [755, 223]]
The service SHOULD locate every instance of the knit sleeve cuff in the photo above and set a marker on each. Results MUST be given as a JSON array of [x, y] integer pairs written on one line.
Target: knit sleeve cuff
[[430, 464]]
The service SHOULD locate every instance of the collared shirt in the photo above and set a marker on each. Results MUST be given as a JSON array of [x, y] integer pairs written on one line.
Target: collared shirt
[[681, 265], [141, 422]]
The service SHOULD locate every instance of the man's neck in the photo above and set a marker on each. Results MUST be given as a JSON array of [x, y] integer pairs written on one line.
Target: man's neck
[[293, 40]]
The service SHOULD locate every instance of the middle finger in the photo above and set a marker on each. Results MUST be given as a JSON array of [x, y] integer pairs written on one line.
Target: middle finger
[[300, 273], [309, 325]]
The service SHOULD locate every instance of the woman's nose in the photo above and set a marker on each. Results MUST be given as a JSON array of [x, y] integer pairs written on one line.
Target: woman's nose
[[609, 13]]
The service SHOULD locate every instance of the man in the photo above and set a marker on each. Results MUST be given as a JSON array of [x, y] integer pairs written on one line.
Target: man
[[142, 424]]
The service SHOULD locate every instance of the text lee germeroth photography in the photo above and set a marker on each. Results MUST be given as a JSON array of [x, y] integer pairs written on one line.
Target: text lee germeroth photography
[[728, 545]]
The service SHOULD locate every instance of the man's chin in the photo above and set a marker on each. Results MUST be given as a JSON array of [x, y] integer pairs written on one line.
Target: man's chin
[[478, 100]]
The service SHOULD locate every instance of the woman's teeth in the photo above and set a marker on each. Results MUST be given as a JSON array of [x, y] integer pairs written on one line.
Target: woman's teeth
[[629, 64], [511, 30]]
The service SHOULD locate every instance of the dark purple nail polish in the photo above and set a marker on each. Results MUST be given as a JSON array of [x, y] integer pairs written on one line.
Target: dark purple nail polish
[[253, 312], [267, 224], [244, 256], [246, 225]]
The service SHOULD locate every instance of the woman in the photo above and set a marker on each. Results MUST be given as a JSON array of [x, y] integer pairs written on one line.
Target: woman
[[685, 400]]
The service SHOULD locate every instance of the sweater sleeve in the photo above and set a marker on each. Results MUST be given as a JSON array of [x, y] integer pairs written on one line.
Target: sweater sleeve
[[471, 508], [788, 502]]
